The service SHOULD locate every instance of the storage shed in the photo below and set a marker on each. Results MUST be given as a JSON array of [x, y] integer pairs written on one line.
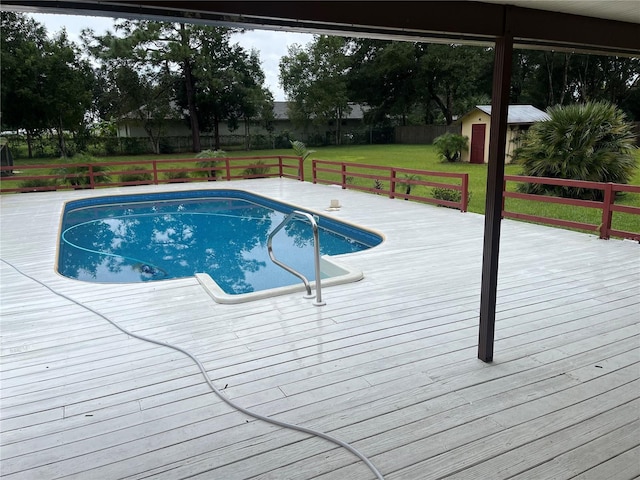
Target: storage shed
[[475, 126]]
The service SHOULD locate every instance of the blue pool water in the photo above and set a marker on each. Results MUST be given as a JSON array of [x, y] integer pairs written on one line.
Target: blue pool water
[[223, 233]]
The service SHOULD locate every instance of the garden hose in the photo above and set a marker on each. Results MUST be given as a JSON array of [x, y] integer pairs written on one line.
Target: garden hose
[[229, 402]]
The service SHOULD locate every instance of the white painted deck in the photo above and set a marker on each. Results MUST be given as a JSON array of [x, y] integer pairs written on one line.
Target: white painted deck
[[389, 364]]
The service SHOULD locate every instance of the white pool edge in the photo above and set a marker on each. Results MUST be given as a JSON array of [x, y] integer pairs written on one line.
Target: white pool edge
[[337, 275]]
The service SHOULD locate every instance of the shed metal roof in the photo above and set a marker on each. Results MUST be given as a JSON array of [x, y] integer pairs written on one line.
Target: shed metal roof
[[519, 113]]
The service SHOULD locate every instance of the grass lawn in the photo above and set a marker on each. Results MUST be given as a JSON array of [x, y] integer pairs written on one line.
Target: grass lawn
[[423, 157]]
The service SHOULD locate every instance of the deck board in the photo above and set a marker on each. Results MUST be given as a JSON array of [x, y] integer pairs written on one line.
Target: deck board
[[388, 364]]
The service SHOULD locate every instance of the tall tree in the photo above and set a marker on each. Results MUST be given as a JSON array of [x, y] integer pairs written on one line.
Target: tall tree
[[424, 83], [45, 83], [229, 84], [211, 71], [315, 80], [451, 74], [144, 96], [545, 79], [68, 86], [383, 76], [157, 45], [22, 96]]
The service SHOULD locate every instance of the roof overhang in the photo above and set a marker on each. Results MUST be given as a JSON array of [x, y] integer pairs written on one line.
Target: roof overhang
[[477, 22]]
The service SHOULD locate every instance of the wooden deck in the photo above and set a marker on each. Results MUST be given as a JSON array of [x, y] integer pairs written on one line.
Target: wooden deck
[[389, 364]]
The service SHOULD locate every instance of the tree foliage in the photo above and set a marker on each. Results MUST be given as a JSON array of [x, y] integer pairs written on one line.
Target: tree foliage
[[315, 81], [215, 81], [545, 78], [419, 83], [590, 142], [45, 82]]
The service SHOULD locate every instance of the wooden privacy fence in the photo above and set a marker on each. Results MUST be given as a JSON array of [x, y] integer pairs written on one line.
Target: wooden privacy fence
[[147, 172], [607, 205], [423, 134], [386, 180]]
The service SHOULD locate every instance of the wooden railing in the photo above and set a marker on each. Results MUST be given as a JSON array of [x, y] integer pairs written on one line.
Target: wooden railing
[[386, 181], [607, 206], [147, 172]]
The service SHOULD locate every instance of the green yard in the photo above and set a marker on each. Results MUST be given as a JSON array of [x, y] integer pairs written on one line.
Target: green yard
[[424, 157]]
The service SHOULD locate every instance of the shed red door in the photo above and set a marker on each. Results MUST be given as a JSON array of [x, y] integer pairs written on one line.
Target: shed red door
[[478, 131]]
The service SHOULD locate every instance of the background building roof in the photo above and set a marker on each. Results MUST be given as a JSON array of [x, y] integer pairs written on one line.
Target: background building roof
[[519, 113]]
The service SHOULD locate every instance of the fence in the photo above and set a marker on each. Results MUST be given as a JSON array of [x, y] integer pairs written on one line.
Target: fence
[[607, 206], [386, 181], [147, 172], [454, 195], [423, 134]]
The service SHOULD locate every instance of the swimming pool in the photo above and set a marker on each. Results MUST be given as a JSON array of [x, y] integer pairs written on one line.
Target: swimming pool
[[219, 236]]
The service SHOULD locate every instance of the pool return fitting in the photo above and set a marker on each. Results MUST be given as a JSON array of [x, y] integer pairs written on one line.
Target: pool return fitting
[[316, 255], [207, 379]]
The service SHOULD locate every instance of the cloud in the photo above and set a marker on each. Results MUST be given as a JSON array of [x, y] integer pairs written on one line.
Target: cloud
[[272, 45]]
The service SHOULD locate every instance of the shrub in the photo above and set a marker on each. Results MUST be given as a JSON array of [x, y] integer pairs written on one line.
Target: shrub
[[581, 142], [37, 185], [136, 174], [406, 184], [282, 140], [212, 173], [78, 175], [449, 194], [176, 174], [134, 146], [165, 146], [257, 170], [450, 146]]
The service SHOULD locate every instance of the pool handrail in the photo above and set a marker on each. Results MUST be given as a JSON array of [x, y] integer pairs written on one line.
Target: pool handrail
[[316, 254]]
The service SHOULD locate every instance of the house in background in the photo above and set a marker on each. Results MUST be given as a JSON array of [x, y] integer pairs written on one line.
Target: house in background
[[475, 126], [174, 126]]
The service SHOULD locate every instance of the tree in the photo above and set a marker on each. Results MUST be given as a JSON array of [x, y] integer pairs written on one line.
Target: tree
[[590, 142], [229, 85], [315, 81], [21, 64], [450, 74], [418, 83], [45, 84], [545, 78], [383, 77], [154, 45], [147, 98], [214, 76], [68, 87]]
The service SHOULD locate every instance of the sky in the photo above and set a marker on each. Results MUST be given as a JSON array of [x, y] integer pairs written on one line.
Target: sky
[[272, 45]]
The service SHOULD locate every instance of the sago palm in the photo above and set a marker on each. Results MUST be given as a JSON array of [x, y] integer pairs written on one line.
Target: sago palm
[[581, 142]]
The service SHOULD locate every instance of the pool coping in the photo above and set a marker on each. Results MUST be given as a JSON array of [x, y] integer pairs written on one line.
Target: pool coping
[[340, 274]]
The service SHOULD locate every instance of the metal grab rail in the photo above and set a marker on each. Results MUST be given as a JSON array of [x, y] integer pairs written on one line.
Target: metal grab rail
[[316, 247]]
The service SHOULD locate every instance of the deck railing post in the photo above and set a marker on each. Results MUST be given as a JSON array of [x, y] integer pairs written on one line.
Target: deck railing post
[[92, 182], [313, 171], [301, 169], [344, 176], [607, 214], [392, 184], [465, 192], [228, 167], [155, 172]]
